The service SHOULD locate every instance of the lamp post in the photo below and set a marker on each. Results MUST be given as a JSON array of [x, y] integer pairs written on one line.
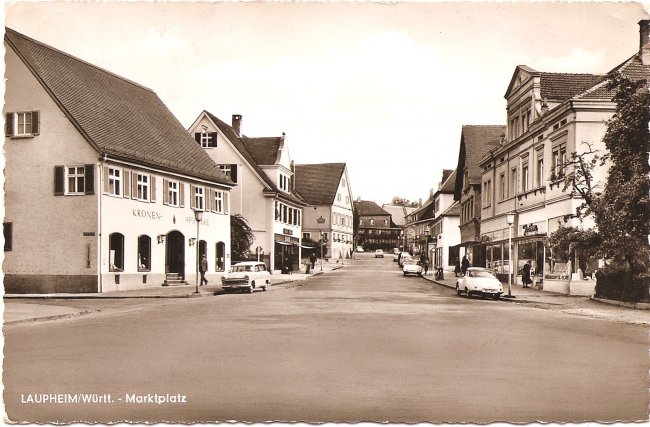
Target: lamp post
[[198, 216], [510, 218], [321, 251], [426, 243]]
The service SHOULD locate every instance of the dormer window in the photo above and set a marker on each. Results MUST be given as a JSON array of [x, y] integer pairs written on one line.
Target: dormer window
[[284, 182]]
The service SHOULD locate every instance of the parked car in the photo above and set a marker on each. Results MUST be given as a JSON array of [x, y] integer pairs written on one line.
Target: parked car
[[411, 267], [405, 256], [248, 276], [359, 249], [379, 253], [479, 281]]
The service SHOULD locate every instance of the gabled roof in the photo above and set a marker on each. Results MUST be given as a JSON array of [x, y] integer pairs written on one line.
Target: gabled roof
[[264, 150], [475, 142], [448, 184], [318, 183], [368, 208], [453, 210], [397, 213], [632, 68], [119, 118], [556, 87], [238, 144]]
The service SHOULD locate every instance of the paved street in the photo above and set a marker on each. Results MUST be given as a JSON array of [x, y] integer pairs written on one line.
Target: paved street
[[359, 343]]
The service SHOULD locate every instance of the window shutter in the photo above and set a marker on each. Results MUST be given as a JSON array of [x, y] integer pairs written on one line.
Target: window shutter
[[233, 172], [89, 178], [209, 200], [152, 187], [213, 139], [192, 197], [59, 180], [105, 179], [181, 194], [127, 184], [197, 137], [134, 185], [226, 202], [165, 192], [35, 124], [9, 124]]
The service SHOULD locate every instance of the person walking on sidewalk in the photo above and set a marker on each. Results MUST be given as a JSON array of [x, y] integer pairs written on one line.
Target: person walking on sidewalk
[[203, 267], [456, 267], [465, 265], [312, 260], [525, 275]]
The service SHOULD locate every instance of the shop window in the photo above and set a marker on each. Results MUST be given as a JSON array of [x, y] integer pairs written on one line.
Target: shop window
[[220, 256], [116, 252], [144, 253], [7, 231]]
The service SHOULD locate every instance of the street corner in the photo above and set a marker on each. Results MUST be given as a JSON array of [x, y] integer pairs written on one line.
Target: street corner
[[17, 312]]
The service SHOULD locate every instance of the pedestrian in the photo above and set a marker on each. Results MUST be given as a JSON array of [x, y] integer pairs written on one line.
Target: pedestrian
[[425, 264], [525, 275], [203, 267], [456, 267], [288, 267], [465, 264], [312, 260]]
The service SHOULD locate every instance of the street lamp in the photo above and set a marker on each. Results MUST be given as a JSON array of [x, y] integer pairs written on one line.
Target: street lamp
[[321, 251], [426, 242], [198, 216], [510, 219]]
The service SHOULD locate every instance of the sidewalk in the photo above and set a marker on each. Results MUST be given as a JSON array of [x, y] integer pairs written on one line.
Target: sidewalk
[[592, 307], [17, 310]]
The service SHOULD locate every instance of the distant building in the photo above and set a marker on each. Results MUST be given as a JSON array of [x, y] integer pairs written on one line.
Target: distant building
[[265, 195], [101, 181], [444, 245], [376, 229], [329, 215]]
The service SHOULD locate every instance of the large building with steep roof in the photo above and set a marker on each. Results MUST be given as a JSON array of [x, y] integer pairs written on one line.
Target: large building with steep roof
[[329, 214], [550, 116], [376, 228], [101, 181], [265, 195]]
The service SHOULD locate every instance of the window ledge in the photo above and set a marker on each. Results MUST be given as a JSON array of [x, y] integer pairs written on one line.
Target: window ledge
[[25, 136]]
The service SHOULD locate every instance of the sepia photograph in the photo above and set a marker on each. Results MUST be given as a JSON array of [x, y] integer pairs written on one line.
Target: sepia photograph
[[326, 212]]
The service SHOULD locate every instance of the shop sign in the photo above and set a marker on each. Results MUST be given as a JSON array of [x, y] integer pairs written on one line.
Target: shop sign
[[287, 231], [141, 213], [530, 229], [192, 220]]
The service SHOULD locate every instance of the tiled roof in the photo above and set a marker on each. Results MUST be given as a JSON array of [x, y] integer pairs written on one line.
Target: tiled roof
[[318, 183], [118, 117], [263, 150], [562, 86], [475, 142], [453, 210], [448, 184], [236, 141], [632, 68], [367, 208]]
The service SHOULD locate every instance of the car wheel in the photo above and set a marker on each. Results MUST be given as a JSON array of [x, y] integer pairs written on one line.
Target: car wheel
[[497, 297], [250, 290], [264, 288], [405, 273], [467, 293], [458, 291]]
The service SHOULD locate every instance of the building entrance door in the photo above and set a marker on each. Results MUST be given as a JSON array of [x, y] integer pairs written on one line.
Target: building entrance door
[[175, 253]]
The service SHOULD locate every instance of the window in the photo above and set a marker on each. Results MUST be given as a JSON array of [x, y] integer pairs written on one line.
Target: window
[[198, 198], [22, 124], [502, 186], [338, 197], [206, 139], [116, 252], [230, 170], [284, 182], [540, 170], [144, 253], [524, 177], [172, 193], [7, 231], [115, 181], [75, 179], [559, 161], [487, 192], [218, 201], [513, 182], [372, 221], [347, 200], [306, 235], [142, 187], [284, 214]]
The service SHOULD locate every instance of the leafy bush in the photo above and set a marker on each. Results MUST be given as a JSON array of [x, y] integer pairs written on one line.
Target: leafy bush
[[620, 284]]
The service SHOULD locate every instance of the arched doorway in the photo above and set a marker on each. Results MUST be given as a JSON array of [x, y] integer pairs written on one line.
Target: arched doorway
[[175, 253]]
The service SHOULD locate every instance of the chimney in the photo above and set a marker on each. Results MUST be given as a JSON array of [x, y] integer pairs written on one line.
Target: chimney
[[644, 43], [236, 124]]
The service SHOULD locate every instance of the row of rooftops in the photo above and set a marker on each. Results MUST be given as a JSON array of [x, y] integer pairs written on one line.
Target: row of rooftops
[[123, 120]]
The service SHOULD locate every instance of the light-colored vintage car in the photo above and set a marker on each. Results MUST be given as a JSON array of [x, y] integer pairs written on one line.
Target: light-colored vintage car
[[479, 281], [411, 267], [248, 276]]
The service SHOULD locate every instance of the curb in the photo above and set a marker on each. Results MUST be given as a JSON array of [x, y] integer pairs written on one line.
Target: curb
[[47, 318], [631, 305]]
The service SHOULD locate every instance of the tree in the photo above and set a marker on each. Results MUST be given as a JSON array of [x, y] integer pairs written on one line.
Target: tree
[[399, 201], [241, 238]]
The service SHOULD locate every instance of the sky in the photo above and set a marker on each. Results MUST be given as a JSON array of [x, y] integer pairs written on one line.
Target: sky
[[383, 87]]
